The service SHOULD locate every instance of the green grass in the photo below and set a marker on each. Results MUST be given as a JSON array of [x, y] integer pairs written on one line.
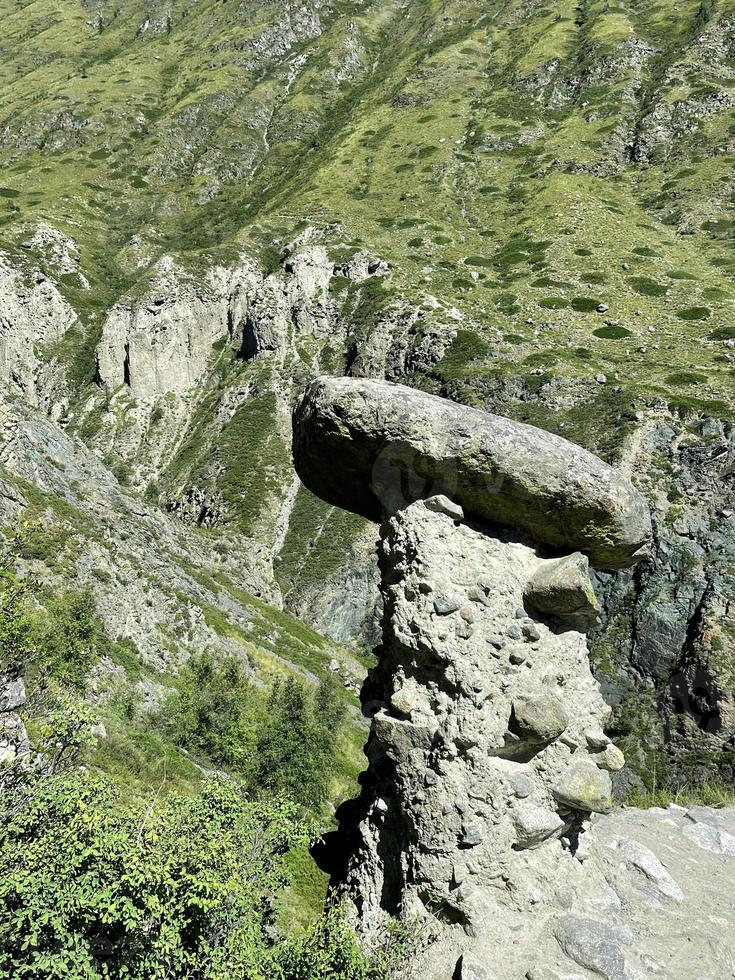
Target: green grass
[[715, 794]]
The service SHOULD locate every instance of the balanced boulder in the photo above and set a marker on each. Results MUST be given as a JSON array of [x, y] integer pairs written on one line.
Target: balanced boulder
[[373, 446]]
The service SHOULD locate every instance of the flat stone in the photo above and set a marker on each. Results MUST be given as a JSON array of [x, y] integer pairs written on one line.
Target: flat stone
[[592, 945], [584, 787], [648, 864], [711, 839], [372, 446], [441, 504]]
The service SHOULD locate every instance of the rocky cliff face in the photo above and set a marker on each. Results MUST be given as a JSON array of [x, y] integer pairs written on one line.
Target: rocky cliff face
[[33, 316]]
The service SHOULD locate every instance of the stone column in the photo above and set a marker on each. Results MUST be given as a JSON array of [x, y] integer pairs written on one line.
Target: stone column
[[486, 753]]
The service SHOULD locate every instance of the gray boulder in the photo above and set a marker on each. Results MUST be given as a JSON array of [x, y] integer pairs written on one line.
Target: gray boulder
[[535, 824], [562, 588], [539, 718], [394, 444], [584, 787]]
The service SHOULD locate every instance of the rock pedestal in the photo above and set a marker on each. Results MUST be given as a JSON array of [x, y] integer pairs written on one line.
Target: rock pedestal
[[487, 750]]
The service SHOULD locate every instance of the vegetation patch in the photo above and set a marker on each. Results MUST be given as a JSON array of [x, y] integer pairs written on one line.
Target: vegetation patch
[[694, 313], [612, 333], [647, 287], [585, 304]]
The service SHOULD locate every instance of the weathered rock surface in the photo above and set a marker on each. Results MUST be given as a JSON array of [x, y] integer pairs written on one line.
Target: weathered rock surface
[[14, 741], [395, 444], [469, 741], [501, 858], [32, 313], [163, 343], [561, 588]]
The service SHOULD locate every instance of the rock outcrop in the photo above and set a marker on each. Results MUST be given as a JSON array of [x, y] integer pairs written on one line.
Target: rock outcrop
[[487, 752], [486, 808], [14, 742], [33, 313], [393, 444]]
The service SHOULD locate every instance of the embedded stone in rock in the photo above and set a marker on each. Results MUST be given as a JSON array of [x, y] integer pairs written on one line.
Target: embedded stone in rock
[[584, 787], [594, 945], [538, 718], [445, 607], [443, 505], [469, 969], [535, 824], [562, 588], [397, 737], [372, 446], [611, 758]]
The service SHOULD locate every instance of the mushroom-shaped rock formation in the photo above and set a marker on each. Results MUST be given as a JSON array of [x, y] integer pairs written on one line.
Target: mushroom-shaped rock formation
[[371, 446], [487, 753]]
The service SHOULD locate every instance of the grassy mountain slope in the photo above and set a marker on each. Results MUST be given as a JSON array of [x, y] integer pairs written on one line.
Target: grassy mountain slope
[[521, 161]]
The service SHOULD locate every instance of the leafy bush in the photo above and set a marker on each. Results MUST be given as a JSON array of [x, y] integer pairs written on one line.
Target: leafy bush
[[214, 712], [68, 638], [91, 887], [15, 621]]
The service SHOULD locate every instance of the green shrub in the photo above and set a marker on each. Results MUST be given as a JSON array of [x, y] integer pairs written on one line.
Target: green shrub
[[15, 620], [215, 712], [465, 348], [92, 887], [686, 378], [612, 333], [694, 313], [585, 304], [554, 303], [647, 287], [68, 638]]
